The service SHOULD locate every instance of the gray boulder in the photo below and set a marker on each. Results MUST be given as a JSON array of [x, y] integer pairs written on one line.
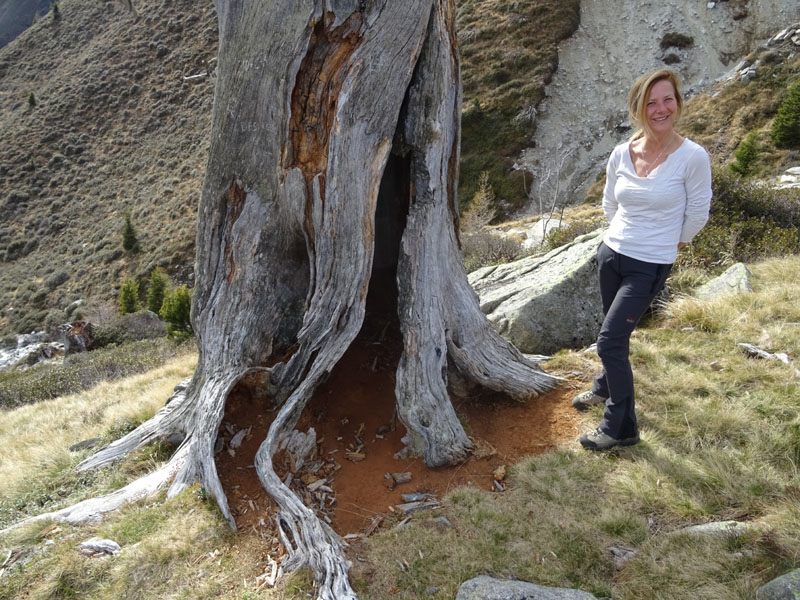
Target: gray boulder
[[785, 587], [484, 587], [737, 278], [546, 303], [720, 529]]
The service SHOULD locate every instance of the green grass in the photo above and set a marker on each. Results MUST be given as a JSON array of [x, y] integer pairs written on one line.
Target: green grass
[[82, 371]]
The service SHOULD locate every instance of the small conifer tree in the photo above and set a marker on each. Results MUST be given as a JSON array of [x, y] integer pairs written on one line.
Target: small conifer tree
[[129, 240], [56, 11], [129, 297], [31, 100], [176, 311], [745, 155], [786, 126], [481, 209], [156, 289]]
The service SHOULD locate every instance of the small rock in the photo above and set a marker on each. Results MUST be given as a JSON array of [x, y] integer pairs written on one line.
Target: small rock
[[621, 554], [401, 477], [499, 473], [484, 587], [355, 456], [97, 545], [237, 440], [444, 522], [85, 444], [719, 529], [736, 279]]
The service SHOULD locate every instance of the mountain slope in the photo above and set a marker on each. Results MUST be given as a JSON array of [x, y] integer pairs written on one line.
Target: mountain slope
[[114, 129]]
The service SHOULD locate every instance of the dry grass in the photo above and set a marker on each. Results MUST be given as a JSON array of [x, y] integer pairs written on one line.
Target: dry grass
[[718, 443], [36, 438]]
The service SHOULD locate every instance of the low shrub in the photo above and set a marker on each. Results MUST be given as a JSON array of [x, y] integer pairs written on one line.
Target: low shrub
[[674, 39], [747, 223], [156, 289], [483, 248], [176, 311], [82, 371], [141, 325], [565, 234], [786, 126], [129, 297], [745, 155]]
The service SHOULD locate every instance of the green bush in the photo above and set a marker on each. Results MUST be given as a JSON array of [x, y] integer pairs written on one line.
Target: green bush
[[786, 126], [563, 235], [156, 289], [129, 240], [674, 39], [176, 311], [129, 297], [31, 100], [746, 153], [747, 223]]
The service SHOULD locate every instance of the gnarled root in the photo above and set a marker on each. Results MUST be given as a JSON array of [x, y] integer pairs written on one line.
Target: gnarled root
[[167, 422], [93, 509], [308, 541]]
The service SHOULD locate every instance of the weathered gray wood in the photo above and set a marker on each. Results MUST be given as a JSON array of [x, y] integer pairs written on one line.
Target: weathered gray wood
[[313, 99]]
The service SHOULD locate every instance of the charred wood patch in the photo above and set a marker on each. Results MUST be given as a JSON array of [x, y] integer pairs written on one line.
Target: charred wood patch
[[316, 92]]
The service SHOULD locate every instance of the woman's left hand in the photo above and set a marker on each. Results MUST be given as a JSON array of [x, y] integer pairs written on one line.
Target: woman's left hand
[[681, 245]]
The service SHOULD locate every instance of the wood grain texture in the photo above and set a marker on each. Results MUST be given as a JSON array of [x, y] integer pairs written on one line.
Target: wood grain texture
[[311, 99]]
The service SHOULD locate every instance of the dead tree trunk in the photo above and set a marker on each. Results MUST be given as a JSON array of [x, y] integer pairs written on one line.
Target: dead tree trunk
[[313, 99]]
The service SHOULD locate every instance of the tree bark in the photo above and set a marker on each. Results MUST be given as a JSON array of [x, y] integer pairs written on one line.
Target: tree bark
[[317, 103]]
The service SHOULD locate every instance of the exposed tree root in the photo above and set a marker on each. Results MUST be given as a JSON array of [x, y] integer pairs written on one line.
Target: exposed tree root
[[94, 509], [308, 541]]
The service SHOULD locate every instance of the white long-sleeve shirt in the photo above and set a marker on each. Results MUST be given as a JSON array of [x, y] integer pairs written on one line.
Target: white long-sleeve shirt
[[650, 215]]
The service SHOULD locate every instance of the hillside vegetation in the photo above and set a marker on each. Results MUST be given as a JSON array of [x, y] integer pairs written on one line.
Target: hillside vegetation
[[98, 122], [720, 440]]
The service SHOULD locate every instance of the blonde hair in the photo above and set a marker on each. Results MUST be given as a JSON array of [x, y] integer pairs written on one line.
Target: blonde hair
[[640, 92]]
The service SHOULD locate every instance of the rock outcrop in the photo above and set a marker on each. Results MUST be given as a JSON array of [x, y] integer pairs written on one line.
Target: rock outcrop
[[785, 587], [584, 113], [546, 303]]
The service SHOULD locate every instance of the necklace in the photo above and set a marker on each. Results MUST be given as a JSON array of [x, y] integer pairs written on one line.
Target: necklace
[[649, 169]]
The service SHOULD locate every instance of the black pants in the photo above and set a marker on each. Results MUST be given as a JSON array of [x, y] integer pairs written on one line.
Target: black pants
[[627, 287]]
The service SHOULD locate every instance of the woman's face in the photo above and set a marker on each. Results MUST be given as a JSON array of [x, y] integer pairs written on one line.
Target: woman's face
[[662, 104]]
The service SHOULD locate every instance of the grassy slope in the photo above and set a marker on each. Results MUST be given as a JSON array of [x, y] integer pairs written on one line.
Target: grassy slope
[[509, 52], [718, 443], [722, 117], [115, 128]]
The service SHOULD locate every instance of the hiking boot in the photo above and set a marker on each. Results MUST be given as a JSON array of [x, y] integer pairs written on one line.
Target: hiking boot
[[597, 440], [586, 399]]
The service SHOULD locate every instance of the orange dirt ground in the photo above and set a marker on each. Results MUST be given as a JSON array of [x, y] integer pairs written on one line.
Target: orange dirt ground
[[359, 395]]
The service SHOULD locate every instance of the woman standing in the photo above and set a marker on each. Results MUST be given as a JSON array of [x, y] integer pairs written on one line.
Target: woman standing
[[656, 198]]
